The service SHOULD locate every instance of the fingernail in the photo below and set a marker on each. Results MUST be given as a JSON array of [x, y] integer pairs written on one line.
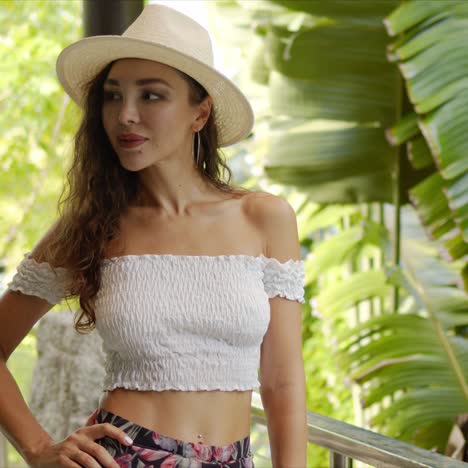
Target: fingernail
[[128, 440]]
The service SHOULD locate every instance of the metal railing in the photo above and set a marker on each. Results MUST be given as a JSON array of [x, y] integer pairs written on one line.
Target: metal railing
[[347, 443]]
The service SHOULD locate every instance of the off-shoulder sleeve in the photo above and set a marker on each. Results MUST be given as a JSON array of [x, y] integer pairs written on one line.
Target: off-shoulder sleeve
[[40, 279], [284, 279]]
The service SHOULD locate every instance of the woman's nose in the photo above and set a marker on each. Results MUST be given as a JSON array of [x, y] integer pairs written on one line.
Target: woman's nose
[[128, 112]]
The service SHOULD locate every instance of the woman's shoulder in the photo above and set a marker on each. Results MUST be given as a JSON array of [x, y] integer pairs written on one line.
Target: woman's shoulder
[[260, 205], [268, 213]]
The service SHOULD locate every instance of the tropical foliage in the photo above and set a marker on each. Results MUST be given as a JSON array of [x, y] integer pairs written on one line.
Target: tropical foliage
[[35, 118]]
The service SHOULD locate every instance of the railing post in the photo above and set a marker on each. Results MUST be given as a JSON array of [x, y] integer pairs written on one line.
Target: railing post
[[3, 450], [338, 460]]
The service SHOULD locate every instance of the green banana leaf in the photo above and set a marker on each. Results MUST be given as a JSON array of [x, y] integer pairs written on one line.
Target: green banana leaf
[[415, 358], [432, 56], [345, 246], [334, 60]]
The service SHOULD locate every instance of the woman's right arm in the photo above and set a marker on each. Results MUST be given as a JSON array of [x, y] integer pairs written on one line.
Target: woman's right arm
[[31, 294], [18, 313]]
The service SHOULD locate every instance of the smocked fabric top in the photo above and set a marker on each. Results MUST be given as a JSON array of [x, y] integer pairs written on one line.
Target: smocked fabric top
[[178, 322]]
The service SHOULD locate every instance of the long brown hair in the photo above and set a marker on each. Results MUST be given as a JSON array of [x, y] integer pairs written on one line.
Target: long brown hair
[[89, 213]]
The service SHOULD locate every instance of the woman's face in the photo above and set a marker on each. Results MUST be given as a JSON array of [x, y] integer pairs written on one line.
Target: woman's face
[[151, 100]]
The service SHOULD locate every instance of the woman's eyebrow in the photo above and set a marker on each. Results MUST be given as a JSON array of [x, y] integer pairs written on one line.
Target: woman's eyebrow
[[142, 82]]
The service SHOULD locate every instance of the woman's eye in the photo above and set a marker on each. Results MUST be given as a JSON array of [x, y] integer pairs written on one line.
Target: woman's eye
[[151, 94], [109, 96]]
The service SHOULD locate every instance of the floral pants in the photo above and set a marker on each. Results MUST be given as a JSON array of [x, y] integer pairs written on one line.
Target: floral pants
[[151, 449]]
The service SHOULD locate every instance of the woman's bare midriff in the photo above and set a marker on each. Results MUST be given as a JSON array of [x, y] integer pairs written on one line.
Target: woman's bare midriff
[[221, 417]]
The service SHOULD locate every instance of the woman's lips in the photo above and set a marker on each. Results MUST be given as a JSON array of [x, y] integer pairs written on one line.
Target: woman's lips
[[130, 143]]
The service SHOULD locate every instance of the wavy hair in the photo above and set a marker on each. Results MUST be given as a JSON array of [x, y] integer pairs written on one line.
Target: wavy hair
[[89, 213]]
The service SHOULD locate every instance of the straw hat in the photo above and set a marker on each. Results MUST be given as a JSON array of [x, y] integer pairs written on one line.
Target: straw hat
[[165, 35]]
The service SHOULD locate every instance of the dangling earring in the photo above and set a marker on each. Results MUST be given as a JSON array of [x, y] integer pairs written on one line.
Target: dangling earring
[[197, 134]]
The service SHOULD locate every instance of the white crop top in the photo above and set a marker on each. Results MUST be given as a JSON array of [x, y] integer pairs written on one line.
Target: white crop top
[[178, 322]]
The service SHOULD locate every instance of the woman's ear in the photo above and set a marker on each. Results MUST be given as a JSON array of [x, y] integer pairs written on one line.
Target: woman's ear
[[204, 111]]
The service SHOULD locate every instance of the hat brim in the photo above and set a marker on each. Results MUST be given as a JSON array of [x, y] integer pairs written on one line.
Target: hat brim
[[82, 60]]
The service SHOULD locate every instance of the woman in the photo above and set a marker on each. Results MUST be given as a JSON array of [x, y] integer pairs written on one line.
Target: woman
[[190, 282]]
